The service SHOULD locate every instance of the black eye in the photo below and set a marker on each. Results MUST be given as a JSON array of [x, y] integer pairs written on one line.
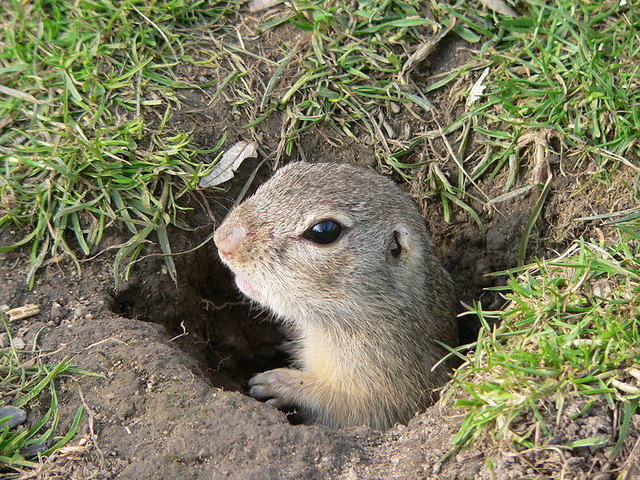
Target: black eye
[[323, 232]]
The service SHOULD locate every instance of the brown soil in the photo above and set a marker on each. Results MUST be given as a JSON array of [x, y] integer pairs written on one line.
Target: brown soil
[[175, 358]]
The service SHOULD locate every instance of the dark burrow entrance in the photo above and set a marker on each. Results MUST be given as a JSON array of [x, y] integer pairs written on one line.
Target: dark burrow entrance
[[206, 317], [203, 312]]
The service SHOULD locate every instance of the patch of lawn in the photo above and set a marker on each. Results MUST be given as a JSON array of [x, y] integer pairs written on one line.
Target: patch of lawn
[[76, 155], [563, 79], [570, 331], [566, 68], [352, 65], [27, 380], [353, 73]]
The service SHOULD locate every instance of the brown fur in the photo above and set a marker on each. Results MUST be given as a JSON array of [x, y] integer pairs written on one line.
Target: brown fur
[[364, 323]]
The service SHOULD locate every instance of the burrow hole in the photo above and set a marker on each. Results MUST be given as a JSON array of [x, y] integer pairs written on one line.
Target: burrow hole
[[206, 316]]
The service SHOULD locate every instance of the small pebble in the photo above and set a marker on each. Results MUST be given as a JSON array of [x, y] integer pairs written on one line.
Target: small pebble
[[57, 312], [16, 415], [4, 340], [18, 343]]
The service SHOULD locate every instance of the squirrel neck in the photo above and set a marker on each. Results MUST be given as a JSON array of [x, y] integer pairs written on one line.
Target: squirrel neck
[[341, 353]]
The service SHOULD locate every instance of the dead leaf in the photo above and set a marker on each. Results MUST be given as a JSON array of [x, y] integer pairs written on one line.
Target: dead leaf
[[540, 139], [423, 51], [229, 163], [12, 92], [602, 288], [501, 7], [257, 5], [478, 88]]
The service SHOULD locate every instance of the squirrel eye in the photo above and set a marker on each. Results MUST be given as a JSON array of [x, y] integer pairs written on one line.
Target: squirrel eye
[[323, 232]]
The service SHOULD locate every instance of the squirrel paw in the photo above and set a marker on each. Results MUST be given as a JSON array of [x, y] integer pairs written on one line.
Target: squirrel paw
[[279, 387]]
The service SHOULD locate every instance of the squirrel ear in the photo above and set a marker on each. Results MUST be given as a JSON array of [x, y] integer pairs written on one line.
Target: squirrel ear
[[401, 243]]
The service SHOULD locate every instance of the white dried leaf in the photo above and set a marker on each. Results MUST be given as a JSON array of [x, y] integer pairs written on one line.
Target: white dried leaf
[[423, 51], [602, 288], [257, 5], [509, 195], [500, 6], [478, 88], [625, 387], [634, 372], [229, 163]]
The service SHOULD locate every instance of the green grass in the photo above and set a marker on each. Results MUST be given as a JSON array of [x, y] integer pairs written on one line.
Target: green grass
[[77, 155], [350, 64], [570, 332], [566, 68], [29, 383]]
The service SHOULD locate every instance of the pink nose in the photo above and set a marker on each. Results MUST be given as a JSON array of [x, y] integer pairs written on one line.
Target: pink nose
[[229, 238]]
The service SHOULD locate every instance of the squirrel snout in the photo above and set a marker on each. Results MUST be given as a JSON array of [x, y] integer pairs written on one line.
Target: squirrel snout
[[228, 239]]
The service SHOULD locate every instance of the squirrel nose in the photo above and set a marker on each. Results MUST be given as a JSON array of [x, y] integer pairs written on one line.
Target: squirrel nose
[[229, 239]]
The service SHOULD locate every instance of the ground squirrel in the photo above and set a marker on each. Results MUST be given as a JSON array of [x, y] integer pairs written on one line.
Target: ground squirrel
[[341, 255]]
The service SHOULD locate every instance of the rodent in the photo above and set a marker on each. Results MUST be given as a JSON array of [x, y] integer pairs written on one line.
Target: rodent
[[341, 255]]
